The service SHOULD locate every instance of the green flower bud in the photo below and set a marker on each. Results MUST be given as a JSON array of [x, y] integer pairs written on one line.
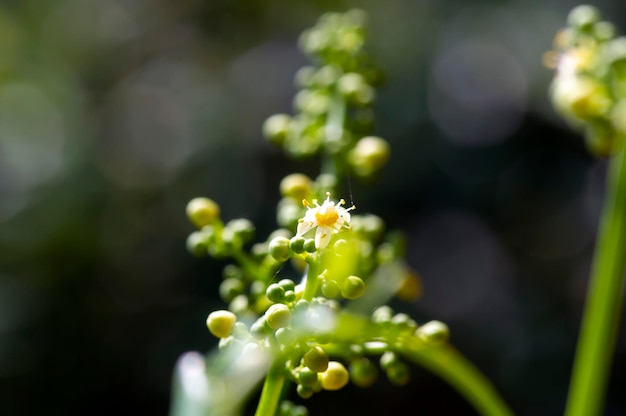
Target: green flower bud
[[288, 212], [226, 342], [353, 287], [297, 244], [363, 372], [326, 76], [285, 336], [305, 76], [355, 88], [287, 284], [388, 359], [197, 244], [369, 155], [232, 271], [316, 359], [290, 296], [275, 293], [259, 329], [278, 316], [335, 377], [307, 377], [242, 228], [398, 373], [583, 17], [382, 314], [220, 323], [603, 31], [304, 391], [202, 211], [297, 186], [276, 129], [309, 245], [330, 288], [239, 305], [279, 248], [230, 288], [434, 332]]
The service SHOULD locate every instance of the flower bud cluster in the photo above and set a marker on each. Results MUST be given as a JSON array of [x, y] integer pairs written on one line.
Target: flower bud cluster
[[333, 109], [589, 85]]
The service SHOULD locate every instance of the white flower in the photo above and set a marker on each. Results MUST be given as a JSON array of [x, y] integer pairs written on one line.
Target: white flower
[[329, 218]]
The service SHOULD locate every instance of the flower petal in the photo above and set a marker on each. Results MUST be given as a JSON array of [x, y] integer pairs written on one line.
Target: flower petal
[[322, 237]]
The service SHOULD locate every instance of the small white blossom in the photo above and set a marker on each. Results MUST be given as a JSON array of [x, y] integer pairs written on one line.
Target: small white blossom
[[329, 218]]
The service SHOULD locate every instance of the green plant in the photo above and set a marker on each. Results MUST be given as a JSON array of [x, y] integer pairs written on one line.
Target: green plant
[[589, 90], [334, 326], [320, 331]]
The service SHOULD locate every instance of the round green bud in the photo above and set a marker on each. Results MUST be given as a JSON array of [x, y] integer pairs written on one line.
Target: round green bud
[[330, 288], [388, 359], [304, 391], [398, 373], [275, 293], [259, 329], [316, 359], [583, 17], [299, 411], [239, 304], [230, 288], [285, 336], [243, 228], [221, 323], [297, 186], [309, 245], [307, 377], [232, 271], [313, 102], [278, 316], [279, 248], [341, 247], [197, 244], [226, 342], [287, 284], [297, 244], [353, 287], [363, 372], [259, 250], [327, 76], [335, 377], [276, 128], [382, 314], [369, 155], [304, 76], [434, 332], [290, 296], [603, 31], [202, 211], [288, 213], [350, 84]]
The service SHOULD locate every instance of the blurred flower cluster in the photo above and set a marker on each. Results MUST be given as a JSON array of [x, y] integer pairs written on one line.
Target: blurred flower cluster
[[589, 86]]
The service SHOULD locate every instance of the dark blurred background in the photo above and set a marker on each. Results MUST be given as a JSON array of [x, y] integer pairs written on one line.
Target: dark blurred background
[[113, 114]]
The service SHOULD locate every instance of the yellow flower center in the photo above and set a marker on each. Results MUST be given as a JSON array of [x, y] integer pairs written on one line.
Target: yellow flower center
[[326, 217]]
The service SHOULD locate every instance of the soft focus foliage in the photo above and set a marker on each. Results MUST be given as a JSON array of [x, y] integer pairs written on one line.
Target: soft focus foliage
[[114, 114]]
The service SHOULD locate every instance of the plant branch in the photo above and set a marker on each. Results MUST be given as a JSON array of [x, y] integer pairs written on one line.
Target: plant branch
[[604, 299]]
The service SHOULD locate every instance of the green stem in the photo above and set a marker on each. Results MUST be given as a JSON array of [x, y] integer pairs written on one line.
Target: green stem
[[449, 365], [312, 274], [272, 388], [604, 298]]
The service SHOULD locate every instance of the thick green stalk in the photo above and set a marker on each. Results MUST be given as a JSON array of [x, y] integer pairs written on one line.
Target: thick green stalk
[[604, 298], [272, 388]]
